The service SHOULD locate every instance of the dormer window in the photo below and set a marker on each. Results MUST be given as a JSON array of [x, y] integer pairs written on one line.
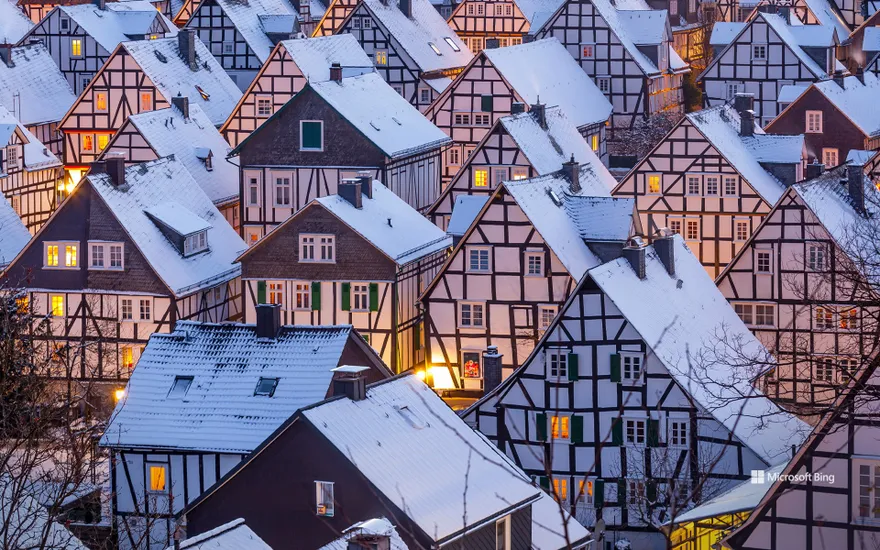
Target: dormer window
[[186, 231], [180, 387], [11, 157], [266, 386], [195, 243], [207, 156]]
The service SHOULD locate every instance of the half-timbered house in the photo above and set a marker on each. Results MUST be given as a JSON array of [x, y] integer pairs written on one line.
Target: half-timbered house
[[143, 76], [185, 132], [712, 179], [515, 265], [410, 44], [448, 485], [508, 21], [330, 131], [242, 35], [769, 53], [519, 146], [808, 12], [361, 257], [291, 64], [835, 117], [627, 49], [14, 24], [803, 285], [129, 253], [538, 72], [29, 173], [183, 423], [35, 92], [81, 37], [617, 411]]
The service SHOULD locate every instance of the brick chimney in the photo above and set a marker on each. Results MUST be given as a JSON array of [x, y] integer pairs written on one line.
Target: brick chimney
[[350, 190], [744, 105], [406, 8], [492, 368], [539, 111], [268, 320], [336, 72], [814, 170], [572, 170], [366, 183], [115, 166], [634, 253], [350, 382], [6, 54], [665, 248], [186, 43], [855, 181], [838, 78], [181, 103]]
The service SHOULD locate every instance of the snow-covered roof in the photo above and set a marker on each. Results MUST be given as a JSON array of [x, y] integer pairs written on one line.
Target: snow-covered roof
[[382, 115], [375, 527], [315, 55], [828, 15], [13, 233], [813, 36], [162, 63], [683, 318], [390, 224], [544, 70], [601, 219], [537, 12], [169, 133], [796, 36], [720, 125], [178, 218], [248, 18], [724, 32], [234, 535], [739, 498], [14, 24], [776, 149], [119, 22], [36, 155], [860, 157], [219, 412], [34, 89], [548, 531], [26, 522], [871, 39], [464, 212], [791, 92], [418, 33], [855, 100], [152, 184], [645, 27], [547, 149]]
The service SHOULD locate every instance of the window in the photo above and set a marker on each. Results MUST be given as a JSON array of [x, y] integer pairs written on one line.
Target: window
[[814, 122], [146, 100], [759, 52], [434, 48], [360, 295], [105, 255], [57, 305], [311, 135], [380, 58], [103, 140], [324, 497], [478, 260], [356, 22], [632, 366], [824, 318], [693, 185], [264, 106], [65, 23], [763, 262], [317, 248], [276, 293], [869, 491], [462, 119], [712, 185], [302, 296], [12, 157], [481, 9], [368, 23], [594, 142], [634, 431], [636, 492], [470, 364], [559, 427], [197, 242], [508, 10], [846, 369], [145, 306], [824, 369], [673, 8], [502, 531], [127, 309], [499, 175], [454, 156], [424, 96], [76, 47], [729, 186], [675, 226], [848, 319], [585, 493], [482, 119], [764, 315], [654, 184], [101, 102], [678, 430], [51, 255], [816, 257], [452, 44], [520, 174], [88, 142], [471, 315], [745, 312], [560, 489], [97, 257], [158, 479], [534, 264], [829, 156], [604, 84], [692, 230], [282, 191], [127, 358], [228, 48], [588, 51], [53, 251], [741, 230], [481, 178], [733, 88], [180, 386], [558, 365], [266, 386], [499, 9], [253, 192], [546, 314]]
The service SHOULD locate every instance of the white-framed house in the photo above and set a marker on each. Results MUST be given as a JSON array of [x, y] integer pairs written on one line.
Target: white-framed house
[[184, 423], [291, 64], [614, 412], [487, 89]]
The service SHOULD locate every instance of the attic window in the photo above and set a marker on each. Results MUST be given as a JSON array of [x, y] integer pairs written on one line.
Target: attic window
[[452, 44], [197, 242], [266, 386], [205, 95], [554, 197], [180, 387], [435, 48]]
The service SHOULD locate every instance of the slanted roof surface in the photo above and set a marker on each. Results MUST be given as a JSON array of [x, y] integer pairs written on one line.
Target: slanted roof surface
[[234, 535], [36, 155], [254, 18], [121, 21], [34, 89], [26, 522], [724, 32], [464, 212], [547, 149], [601, 219], [315, 55], [857, 101], [377, 526], [537, 12], [13, 233], [14, 24], [795, 37], [739, 498]]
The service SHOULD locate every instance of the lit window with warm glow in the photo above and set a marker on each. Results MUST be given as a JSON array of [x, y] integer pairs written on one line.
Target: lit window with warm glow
[[119, 394], [88, 142], [654, 183], [76, 47], [594, 142], [70, 255], [101, 101], [146, 101], [481, 178], [52, 255], [103, 140], [127, 358], [559, 427], [57, 305], [560, 488], [381, 57], [158, 480]]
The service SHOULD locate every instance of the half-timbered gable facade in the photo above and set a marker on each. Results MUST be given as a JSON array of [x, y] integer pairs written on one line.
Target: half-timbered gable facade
[[835, 117], [410, 44], [613, 411], [81, 37], [712, 179], [768, 54], [507, 21], [863, 44], [129, 253], [29, 173], [331, 463], [330, 131], [361, 257], [809, 305], [516, 264], [519, 146], [808, 12], [35, 92], [169, 446], [242, 35], [336, 13], [144, 76], [626, 50], [538, 72], [14, 24], [291, 64]]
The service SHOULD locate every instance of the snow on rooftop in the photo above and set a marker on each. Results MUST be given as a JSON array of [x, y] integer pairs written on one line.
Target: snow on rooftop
[[169, 133], [544, 70], [178, 218], [381, 114], [777, 149], [828, 15], [871, 39], [464, 212], [601, 219], [796, 36], [855, 100], [404, 423], [857, 156], [537, 12], [13, 233], [36, 155], [219, 412], [547, 149], [315, 55], [34, 89], [548, 532], [390, 224], [375, 527], [723, 32], [208, 86], [645, 27], [683, 319], [254, 18], [152, 184], [234, 535], [119, 22], [26, 522], [14, 24], [420, 34], [791, 92], [739, 498]]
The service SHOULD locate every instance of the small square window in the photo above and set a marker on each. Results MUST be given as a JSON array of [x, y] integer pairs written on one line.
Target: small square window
[[604, 84], [816, 257], [380, 58], [634, 432], [741, 230], [557, 364], [481, 177], [264, 106], [813, 122], [588, 51], [763, 262], [559, 427], [678, 433], [471, 315], [759, 52], [693, 185], [534, 264], [631, 366], [745, 312], [266, 386], [765, 315], [546, 314], [479, 260]]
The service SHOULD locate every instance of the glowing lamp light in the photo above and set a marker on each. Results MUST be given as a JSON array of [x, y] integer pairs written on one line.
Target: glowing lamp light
[[69, 187], [442, 378], [421, 374], [119, 394]]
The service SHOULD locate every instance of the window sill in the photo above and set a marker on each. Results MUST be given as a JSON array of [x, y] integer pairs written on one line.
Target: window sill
[[311, 150], [473, 272], [475, 329], [59, 268], [317, 261], [117, 269]]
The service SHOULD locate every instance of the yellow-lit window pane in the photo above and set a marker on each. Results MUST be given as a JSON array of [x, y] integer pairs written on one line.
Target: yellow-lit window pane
[[586, 491], [146, 101], [76, 47], [88, 143], [70, 255], [594, 142], [103, 140], [23, 304], [481, 178], [127, 357], [560, 488], [101, 101], [654, 183], [58, 306], [157, 478], [559, 427], [52, 255]]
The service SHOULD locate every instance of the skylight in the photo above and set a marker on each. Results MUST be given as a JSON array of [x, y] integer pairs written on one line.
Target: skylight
[[180, 387], [554, 197], [266, 386], [452, 44], [205, 95], [435, 48]]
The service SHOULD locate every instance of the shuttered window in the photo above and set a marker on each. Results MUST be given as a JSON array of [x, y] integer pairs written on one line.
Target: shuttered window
[[311, 135]]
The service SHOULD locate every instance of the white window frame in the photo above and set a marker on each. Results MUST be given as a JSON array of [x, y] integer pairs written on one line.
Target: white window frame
[[815, 253], [504, 525], [633, 358], [708, 182], [759, 253], [763, 314], [737, 223], [81, 48], [533, 255], [592, 52], [253, 184], [317, 244], [693, 178], [302, 296], [106, 248], [227, 45], [360, 297], [815, 126], [759, 52], [62, 254], [478, 249], [195, 243], [635, 422], [311, 149], [380, 58], [830, 156], [325, 509], [686, 226], [145, 305], [563, 423], [546, 309], [673, 435], [561, 359], [265, 99], [12, 157], [873, 465], [286, 183], [604, 84], [746, 310], [471, 309], [725, 179]]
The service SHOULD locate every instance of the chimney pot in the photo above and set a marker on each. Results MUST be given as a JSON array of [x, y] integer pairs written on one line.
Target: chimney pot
[[268, 320], [186, 43], [336, 72], [351, 384], [351, 191], [743, 102], [860, 74], [539, 111], [115, 168], [814, 170], [855, 179], [182, 104], [517, 108], [665, 248], [102, 4], [366, 183], [492, 368], [572, 172], [635, 255]]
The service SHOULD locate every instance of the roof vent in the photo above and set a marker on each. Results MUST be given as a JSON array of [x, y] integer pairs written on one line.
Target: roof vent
[[349, 381]]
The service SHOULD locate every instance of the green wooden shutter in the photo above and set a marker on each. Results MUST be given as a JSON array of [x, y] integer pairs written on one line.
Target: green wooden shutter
[[374, 297], [621, 492], [486, 103], [541, 426], [577, 429], [599, 493], [261, 292], [346, 296], [311, 135], [544, 482], [316, 296], [653, 433], [617, 432], [651, 491], [573, 373], [615, 367]]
